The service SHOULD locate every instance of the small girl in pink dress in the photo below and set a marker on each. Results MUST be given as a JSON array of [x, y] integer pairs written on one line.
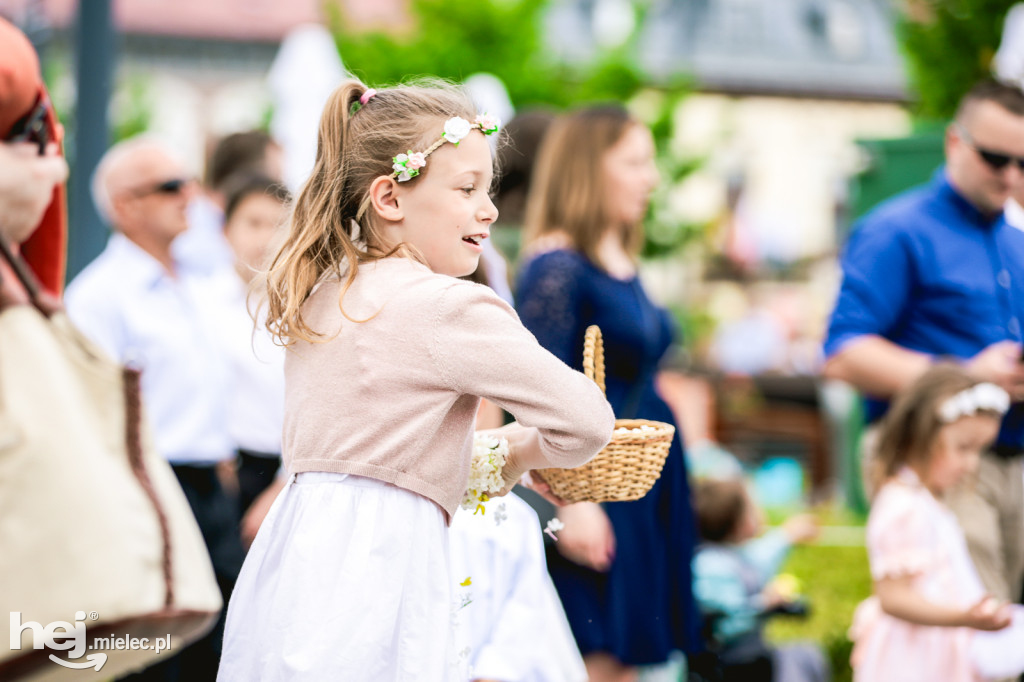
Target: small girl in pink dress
[[930, 618]]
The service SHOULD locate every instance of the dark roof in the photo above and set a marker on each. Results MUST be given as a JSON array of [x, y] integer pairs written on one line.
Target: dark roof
[[814, 48]]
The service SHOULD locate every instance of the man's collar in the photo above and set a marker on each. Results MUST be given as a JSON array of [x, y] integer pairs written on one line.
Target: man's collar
[[135, 262], [949, 191]]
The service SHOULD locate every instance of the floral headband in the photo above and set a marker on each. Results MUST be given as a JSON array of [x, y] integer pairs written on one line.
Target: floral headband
[[969, 401], [407, 166]]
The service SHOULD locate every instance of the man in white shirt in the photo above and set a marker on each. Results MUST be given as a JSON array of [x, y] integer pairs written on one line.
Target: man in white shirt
[[145, 310]]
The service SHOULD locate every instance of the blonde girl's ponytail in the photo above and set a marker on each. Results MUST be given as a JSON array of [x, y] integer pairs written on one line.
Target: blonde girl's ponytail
[[317, 240]]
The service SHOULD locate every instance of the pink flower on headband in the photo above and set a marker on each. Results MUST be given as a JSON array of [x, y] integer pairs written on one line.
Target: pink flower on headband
[[488, 124], [367, 96], [417, 160]]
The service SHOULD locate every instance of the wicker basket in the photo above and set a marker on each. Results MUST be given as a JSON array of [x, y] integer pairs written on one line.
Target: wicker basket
[[629, 465]]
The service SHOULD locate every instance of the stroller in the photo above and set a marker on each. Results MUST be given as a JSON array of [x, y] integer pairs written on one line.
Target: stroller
[[749, 660]]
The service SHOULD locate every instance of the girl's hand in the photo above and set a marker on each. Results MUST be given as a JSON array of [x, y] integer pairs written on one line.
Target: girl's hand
[[988, 614], [587, 538], [258, 510], [512, 472], [27, 181], [533, 481]]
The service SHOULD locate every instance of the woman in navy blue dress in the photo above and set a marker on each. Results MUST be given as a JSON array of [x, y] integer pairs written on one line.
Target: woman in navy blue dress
[[622, 569]]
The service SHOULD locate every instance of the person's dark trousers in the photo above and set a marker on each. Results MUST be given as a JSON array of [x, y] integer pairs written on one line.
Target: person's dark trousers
[[217, 515], [256, 471]]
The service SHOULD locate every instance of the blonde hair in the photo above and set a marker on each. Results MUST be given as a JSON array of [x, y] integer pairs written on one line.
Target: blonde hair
[[910, 427], [355, 145], [567, 190]]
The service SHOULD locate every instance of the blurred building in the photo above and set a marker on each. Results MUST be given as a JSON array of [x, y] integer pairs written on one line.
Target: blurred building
[[193, 69], [784, 89]]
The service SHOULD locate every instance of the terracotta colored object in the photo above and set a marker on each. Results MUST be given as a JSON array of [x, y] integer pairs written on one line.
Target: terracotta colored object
[[21, 87]]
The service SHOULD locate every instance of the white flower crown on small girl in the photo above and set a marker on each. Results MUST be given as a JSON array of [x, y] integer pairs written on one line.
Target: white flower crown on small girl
[[407, 166], [968, 402]]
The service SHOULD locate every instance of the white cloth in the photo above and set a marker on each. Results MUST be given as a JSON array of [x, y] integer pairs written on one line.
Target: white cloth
[[1014, 214], [203, 247], [1009, 59], [514, 626], [497, 271], [306, 70], [256, 408], [348, 579], [1000, 654], [129, 305]]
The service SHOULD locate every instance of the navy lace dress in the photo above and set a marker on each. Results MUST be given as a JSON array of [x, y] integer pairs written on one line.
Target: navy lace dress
[[643, 608]]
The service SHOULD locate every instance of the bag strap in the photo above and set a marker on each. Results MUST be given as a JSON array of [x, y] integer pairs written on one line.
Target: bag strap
[[42, 301]]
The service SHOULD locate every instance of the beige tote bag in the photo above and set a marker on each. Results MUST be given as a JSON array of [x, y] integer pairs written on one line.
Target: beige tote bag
[[101, 560]]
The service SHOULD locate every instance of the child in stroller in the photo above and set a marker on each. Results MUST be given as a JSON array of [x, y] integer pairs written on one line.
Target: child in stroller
[[734, 583]]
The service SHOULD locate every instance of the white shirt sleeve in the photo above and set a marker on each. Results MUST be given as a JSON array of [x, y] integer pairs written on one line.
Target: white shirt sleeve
[[97, 318]]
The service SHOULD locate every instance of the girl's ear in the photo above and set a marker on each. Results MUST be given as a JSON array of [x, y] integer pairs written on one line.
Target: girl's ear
[[384, 198]]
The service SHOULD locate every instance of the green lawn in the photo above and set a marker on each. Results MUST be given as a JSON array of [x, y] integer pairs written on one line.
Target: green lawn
[[835, 580]]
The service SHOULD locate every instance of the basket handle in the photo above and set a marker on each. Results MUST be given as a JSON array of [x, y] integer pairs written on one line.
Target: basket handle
[[593, 356]]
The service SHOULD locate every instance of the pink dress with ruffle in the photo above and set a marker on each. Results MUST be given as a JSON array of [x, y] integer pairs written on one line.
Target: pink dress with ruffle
[[911, 533]]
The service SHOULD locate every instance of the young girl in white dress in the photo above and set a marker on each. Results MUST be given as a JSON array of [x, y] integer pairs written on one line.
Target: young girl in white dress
[[930, 618], [389, 354], [512, 627]]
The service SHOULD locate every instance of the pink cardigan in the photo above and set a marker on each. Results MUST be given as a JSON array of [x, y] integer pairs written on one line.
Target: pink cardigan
[[394, 395]]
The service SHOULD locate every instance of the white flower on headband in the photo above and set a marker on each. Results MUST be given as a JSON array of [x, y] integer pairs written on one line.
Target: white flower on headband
[[406, 166], [455, 129], [969, 401]]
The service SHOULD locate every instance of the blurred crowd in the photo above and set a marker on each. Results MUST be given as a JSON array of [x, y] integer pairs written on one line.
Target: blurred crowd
[[681, 581]]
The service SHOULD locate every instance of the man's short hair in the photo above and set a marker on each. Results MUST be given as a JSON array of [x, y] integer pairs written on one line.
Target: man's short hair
[[1007, 95], [102, 198], [238, 152]]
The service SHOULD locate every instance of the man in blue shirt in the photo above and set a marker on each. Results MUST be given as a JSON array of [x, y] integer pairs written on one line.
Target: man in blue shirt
[[937, 274]]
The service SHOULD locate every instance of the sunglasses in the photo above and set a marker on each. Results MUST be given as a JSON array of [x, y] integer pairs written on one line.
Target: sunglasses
[[173, 186], [32, 127], [997, 161]]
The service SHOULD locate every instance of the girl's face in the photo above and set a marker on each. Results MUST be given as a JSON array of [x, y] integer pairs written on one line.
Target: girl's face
[[251, 229], [957, 450], [447, 211], [629, 175]]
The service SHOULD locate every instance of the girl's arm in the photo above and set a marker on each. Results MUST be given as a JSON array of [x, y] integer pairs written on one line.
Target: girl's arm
[[900, 600], [480, 348]]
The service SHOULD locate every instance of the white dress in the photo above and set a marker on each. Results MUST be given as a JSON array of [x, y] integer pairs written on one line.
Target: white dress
[[512, 627], [347, 580]]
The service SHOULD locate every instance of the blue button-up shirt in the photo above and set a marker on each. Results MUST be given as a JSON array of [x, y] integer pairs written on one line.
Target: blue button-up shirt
[[929, 272], [128, 304]]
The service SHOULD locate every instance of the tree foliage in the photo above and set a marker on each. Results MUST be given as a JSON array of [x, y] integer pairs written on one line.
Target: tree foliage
[[949, 46], [454, 40]]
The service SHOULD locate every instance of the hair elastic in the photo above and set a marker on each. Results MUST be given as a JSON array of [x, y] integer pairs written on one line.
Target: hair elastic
[[367, 96]]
